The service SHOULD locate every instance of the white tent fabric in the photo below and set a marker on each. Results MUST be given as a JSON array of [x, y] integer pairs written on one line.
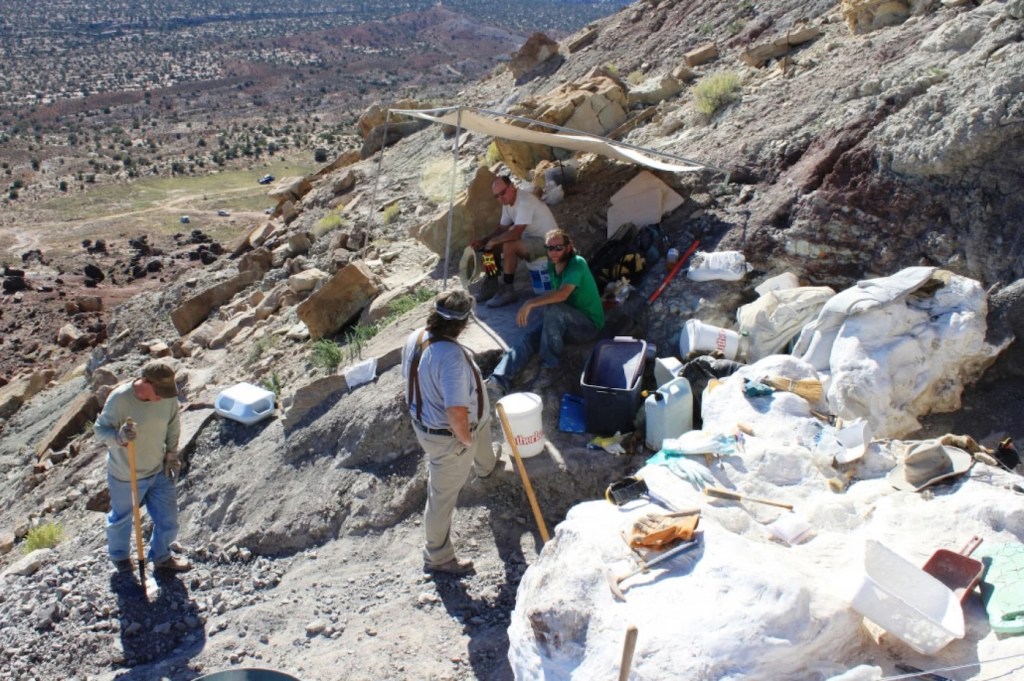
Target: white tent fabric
[[486, 122], [474, 119]]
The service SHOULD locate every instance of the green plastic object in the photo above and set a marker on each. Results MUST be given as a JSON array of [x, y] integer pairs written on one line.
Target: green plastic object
[[1002, 586]]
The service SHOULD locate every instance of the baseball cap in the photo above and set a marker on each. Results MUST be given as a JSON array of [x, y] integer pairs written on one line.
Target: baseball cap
[[161, 376]]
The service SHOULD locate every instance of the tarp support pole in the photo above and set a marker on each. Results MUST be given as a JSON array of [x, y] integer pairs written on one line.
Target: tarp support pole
[[451, 197], [376, 181]]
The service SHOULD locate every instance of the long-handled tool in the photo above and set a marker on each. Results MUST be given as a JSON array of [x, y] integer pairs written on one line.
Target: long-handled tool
[[736, 496], [522, 473], [628, 647], [615, 583], [672, 273], [137, 517]]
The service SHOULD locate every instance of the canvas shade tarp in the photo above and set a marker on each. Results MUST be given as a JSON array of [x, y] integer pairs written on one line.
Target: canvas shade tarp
[[479, 121]]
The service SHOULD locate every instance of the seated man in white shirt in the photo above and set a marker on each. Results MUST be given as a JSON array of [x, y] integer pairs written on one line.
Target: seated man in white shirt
[[525, 220]]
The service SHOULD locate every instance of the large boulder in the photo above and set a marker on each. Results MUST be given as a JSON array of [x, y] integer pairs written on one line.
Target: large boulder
[[191, 313], [474, 214], [21, 390], [84, 408], [864, 16], [537, 49], [340, 299], [596, 105]]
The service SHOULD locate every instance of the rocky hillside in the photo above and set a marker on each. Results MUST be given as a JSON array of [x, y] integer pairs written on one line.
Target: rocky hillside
[[841, 142]]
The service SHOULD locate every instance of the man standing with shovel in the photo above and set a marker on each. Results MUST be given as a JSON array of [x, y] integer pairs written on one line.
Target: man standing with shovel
[[143, 412]]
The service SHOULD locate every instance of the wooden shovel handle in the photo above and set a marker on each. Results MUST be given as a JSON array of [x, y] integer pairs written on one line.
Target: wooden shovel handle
[[137, 516], [627, 652], [510, 436], [726, 494]]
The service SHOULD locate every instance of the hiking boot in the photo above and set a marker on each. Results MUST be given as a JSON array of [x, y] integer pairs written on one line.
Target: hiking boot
[[173, 564], [455, 566], [507, 296], [489, 287], [546, 378], [124, 566]]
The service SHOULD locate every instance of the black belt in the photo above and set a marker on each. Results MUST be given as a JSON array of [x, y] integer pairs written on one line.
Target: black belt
[[433, 431]]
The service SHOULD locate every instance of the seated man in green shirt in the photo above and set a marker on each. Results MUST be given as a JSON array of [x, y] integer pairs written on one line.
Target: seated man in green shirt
[[572, 311]]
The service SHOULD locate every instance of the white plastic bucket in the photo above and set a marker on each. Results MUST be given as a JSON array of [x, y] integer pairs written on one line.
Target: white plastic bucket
[[540, 280], [523, 411], [699, 336]]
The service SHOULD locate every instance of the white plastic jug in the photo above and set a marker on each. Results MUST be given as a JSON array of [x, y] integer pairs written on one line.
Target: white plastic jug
[[540, 279], [665, 369], [669, 412], [523, 411]]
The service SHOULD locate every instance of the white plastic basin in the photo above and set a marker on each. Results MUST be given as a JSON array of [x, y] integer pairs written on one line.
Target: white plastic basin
[[907, 602], [245, 402]]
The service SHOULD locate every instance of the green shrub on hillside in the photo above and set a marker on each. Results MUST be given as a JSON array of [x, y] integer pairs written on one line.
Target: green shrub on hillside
[[326, 354], [715, 91], [329, 222], [44, 536]]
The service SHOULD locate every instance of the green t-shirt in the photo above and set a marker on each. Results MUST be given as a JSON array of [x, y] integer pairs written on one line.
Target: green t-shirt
[[585, 297]]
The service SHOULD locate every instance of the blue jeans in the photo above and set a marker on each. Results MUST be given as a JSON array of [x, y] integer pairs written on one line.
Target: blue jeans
[[158, 495], [547, 331]]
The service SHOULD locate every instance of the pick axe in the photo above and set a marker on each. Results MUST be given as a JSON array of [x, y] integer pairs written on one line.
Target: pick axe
[[137, 516], [614, 583]]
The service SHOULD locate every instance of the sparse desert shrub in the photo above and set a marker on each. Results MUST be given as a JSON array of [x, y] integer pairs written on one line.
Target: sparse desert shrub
[[327, 223], [257, 349], [326, 354], [391, 212], [635, 77], [436, 178], [44, 536], [402, 304], [493, 156], [273, 384], [714, 92]]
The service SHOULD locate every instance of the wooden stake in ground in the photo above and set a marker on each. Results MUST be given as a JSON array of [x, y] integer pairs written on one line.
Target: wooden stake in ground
[[522, 473], [627, 652], [137, 517]]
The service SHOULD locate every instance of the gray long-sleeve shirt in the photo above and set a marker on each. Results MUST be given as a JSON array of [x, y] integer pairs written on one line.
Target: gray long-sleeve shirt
[[157, 426]]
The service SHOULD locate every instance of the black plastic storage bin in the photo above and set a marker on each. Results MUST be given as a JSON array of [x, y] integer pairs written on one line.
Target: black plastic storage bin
[[611, 385]]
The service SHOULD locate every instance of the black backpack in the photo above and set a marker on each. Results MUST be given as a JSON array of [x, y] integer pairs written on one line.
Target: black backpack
[[629, 253]]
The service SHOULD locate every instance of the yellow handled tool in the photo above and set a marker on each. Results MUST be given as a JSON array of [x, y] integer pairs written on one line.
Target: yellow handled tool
[[522, 473], [137, 515]]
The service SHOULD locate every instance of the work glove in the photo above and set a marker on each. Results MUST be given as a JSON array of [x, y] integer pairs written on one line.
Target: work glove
[[696, 473], [172, 465], [660, 531], [126, 433]]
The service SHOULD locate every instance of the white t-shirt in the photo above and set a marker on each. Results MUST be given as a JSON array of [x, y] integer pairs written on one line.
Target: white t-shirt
[[530, 211]]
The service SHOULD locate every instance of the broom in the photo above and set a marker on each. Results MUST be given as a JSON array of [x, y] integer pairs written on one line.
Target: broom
[[807, 388]]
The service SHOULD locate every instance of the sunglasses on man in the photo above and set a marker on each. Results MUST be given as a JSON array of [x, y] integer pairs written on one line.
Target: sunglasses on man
[[557, 248]]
